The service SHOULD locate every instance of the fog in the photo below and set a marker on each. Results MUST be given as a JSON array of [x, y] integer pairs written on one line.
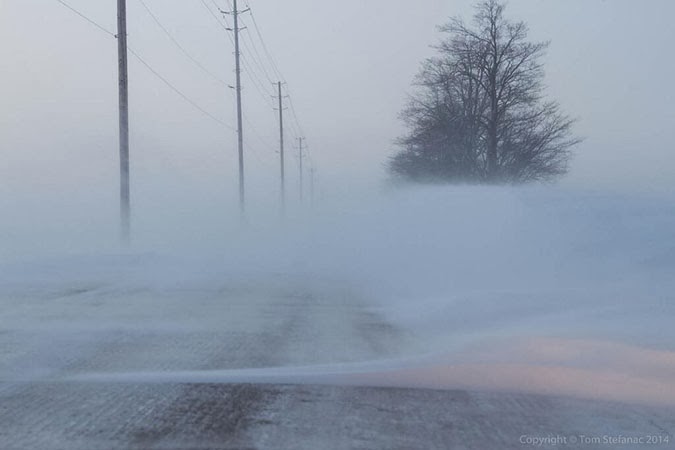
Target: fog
[[349, 67], [483, 280]]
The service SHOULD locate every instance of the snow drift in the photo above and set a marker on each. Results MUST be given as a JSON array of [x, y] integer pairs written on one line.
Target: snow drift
[[539, 289]]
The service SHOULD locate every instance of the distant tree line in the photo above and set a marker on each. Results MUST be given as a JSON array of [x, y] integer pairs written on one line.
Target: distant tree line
[[478, 114]]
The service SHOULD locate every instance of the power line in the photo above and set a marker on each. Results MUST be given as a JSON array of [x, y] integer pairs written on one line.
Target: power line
[[87, 19], [251, 64], [260, 138], [151, 69], [249, 69], [177, 91], [250, 72], [296, 122], [214, 15], [295, 115], [257, 84], [256, 58], [256, 81], [262, 41], [179, 46], [226, 24]]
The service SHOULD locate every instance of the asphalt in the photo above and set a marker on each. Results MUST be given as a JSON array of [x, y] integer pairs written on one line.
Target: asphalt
[[79, 332]]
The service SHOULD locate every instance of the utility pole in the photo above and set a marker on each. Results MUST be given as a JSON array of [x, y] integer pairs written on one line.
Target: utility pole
[[281, 150], [300, 139], [125, 202], [240, 132]]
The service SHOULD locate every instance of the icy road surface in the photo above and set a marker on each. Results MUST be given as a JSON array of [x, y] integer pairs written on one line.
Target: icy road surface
[[94, 367]]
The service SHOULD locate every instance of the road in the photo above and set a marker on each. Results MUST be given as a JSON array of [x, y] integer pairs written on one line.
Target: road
[[61, 350]]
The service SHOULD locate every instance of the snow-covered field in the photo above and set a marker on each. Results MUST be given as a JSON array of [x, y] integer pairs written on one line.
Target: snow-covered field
[[536, 290]]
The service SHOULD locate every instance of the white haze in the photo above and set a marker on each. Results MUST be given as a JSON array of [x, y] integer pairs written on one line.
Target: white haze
[[487, 276], [564, 289], [349, 66]]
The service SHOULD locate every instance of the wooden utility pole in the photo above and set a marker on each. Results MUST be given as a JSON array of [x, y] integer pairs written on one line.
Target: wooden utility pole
[[240, 131], [125, 197], [281, 150]]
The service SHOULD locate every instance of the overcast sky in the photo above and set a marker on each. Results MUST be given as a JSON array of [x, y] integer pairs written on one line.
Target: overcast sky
[[349, 66]]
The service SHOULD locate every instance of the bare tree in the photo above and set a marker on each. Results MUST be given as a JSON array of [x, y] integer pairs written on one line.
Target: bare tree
[[479, 113]]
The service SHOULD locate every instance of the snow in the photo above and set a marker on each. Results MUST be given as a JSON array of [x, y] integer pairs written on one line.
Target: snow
[[544, 289]]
